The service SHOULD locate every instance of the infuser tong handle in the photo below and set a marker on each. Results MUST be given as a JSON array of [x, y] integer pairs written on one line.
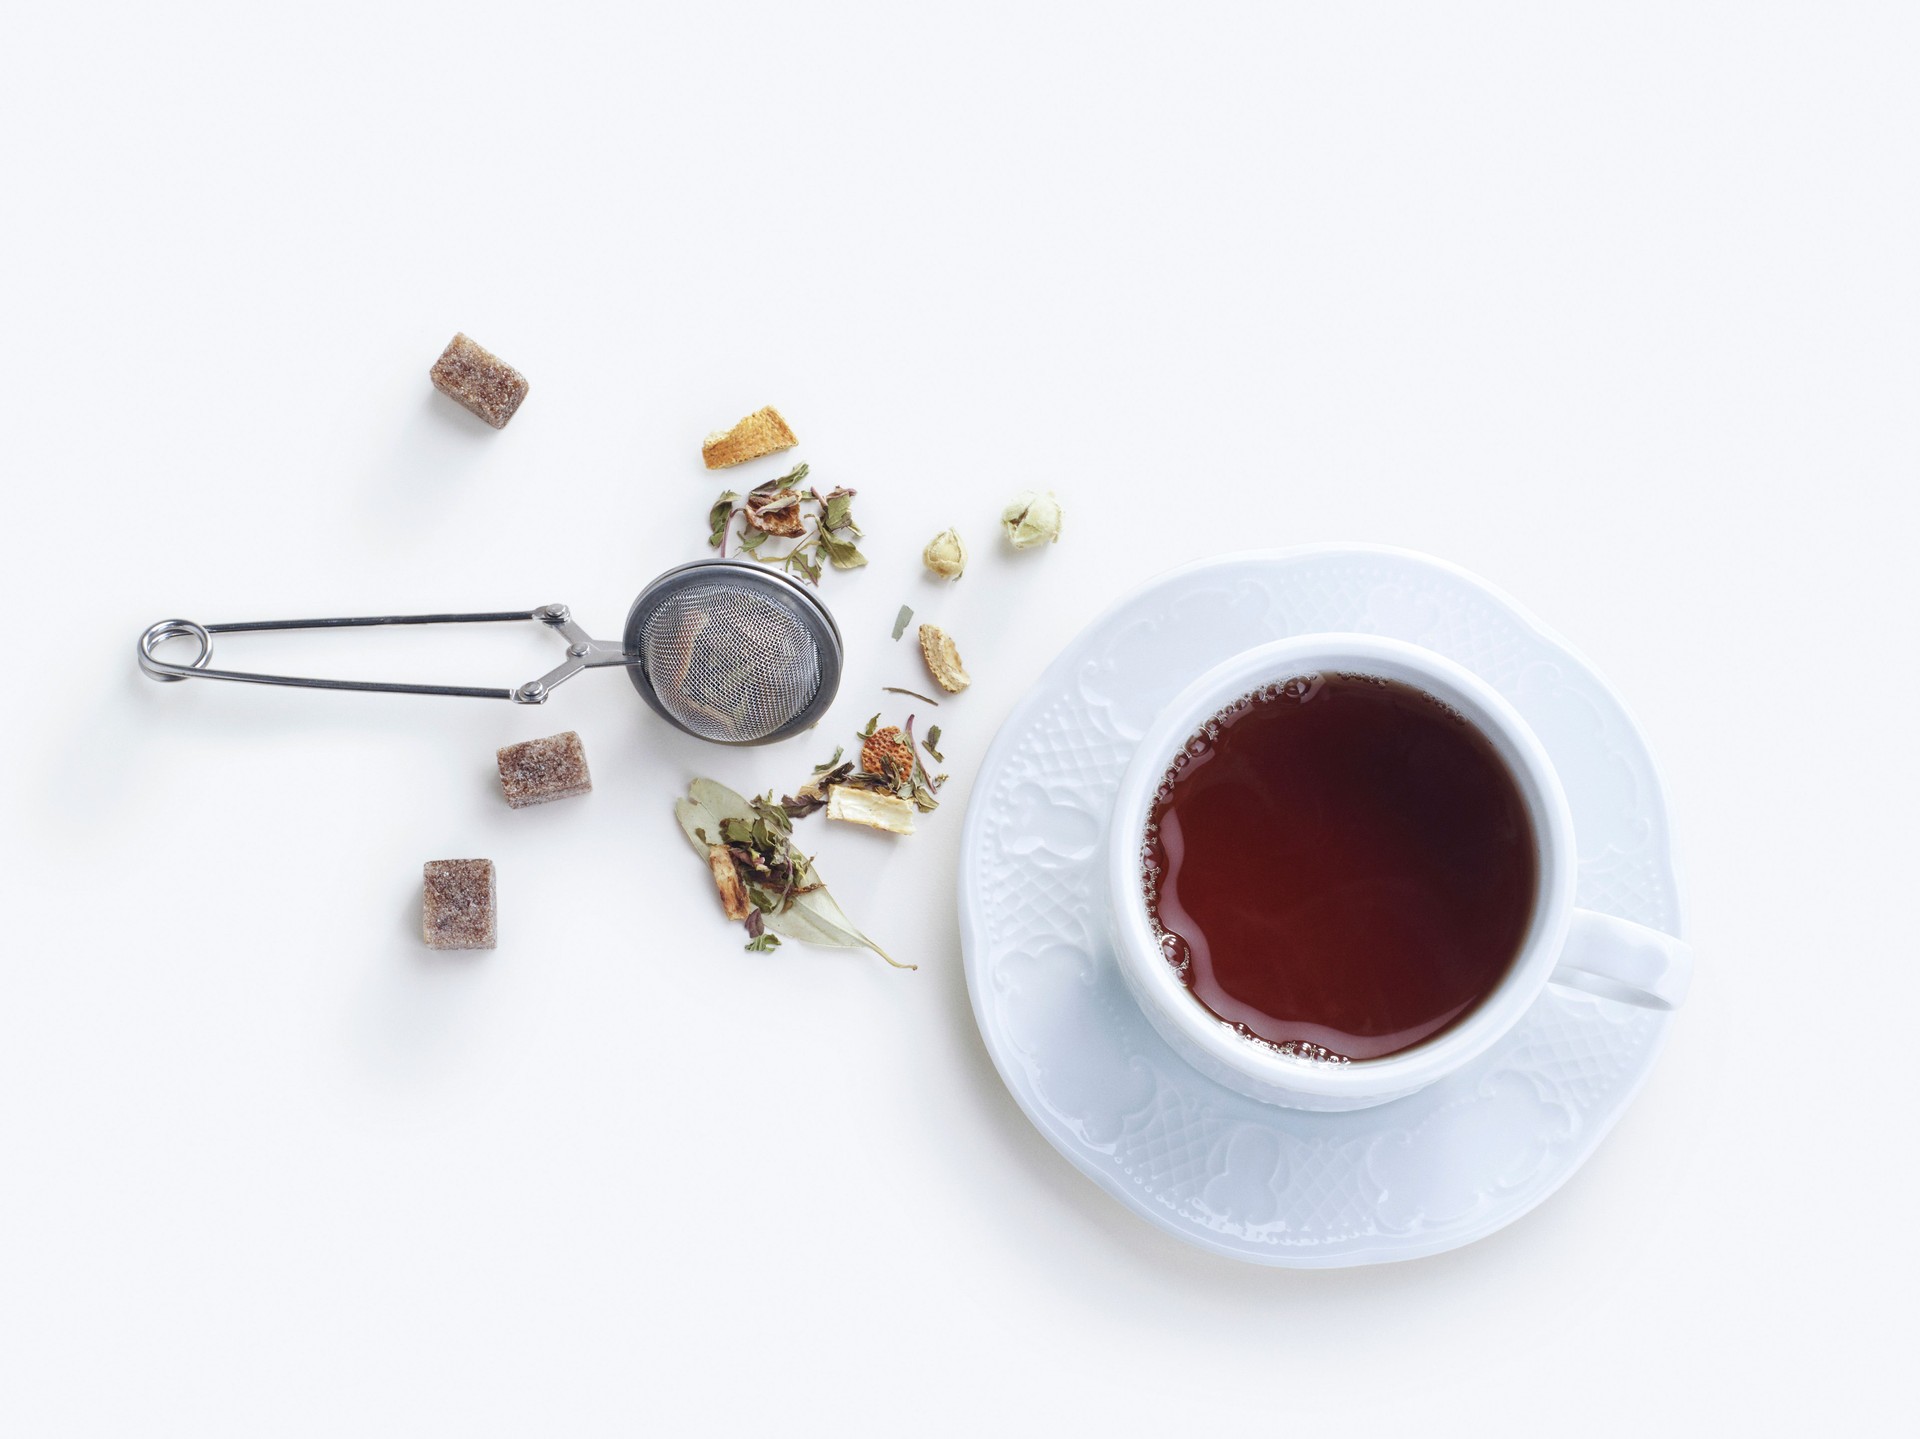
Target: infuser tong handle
[[583, 653]]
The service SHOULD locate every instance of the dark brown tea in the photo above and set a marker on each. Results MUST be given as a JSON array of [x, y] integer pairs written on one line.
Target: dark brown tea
[[1340, 866]]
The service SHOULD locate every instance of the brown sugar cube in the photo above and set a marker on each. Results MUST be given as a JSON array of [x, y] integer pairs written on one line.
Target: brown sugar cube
[[538, 770], [459, 910], [761, 433], [480, 380]]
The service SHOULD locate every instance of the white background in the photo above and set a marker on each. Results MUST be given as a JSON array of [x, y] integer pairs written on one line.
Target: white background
[[1615, 305]]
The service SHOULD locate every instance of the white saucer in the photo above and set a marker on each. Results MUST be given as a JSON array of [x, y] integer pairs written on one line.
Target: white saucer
[[1277, 1186]]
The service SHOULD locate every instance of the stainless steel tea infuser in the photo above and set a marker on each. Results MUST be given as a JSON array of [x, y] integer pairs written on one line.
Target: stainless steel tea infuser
[[724, 649]]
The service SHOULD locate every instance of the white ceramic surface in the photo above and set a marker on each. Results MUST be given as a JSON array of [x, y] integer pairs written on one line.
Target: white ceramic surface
[[1415, 1176]]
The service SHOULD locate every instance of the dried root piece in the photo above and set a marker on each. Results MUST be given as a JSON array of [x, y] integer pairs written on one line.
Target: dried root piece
[[760, 433], [886, 753], [726, 878], [871, 808], [943, 659]]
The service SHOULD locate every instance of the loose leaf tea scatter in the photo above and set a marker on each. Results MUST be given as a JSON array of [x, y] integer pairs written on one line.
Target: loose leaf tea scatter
[[748, 845], [819, 527]]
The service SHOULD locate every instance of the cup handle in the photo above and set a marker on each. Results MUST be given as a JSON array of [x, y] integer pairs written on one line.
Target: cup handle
[[1616, 959]]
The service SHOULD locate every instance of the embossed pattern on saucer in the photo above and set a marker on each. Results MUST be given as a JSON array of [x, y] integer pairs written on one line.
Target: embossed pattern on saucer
[[1418, 1176]]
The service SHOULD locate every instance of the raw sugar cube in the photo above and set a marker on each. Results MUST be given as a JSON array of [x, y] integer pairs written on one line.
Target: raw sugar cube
[[480, 380], [538, 770], [459, 909]]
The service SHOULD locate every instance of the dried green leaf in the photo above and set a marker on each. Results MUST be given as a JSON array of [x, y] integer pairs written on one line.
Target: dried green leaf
[[872, 725], [838, 750], [790, 480], [843, 553], [765, 942], [932, 741], [902, 620], [837, 510], [816, 918]]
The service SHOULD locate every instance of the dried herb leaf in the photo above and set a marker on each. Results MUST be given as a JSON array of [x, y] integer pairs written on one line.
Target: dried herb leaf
[[872, 725], [780, 885], [931, 742], [914, 694], [815, 918], [719, 518], [820, 528], [838, 750], [763, 943], [902, 620], [843, 553]]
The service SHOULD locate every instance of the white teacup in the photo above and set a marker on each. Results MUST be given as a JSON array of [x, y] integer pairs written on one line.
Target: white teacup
[[1562, 945]]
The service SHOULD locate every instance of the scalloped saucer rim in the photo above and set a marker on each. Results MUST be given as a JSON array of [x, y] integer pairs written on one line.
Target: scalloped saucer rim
[[1408, 1236]]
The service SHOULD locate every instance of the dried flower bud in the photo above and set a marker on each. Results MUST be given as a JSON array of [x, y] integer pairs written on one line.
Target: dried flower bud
[[943, 659], [1032, 519], [886, 753], [946, 555]]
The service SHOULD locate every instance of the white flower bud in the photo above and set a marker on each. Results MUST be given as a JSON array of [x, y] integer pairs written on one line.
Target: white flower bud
[[1032, 519], [946, 555]]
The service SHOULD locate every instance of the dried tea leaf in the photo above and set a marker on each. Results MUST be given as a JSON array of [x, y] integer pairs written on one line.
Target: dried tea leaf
[[911, 694], [872, 808], [698, 824], [872, 725], [931, 742], [762, 943], [843, 554], [720, 517], [943, 659], [902, 620], [815, 918], [838, 750], [836, 509]]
